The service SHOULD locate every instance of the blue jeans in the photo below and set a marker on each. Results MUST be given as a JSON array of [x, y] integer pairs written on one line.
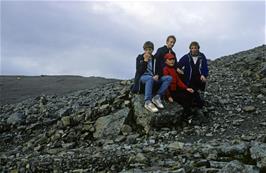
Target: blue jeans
[[148, 80]]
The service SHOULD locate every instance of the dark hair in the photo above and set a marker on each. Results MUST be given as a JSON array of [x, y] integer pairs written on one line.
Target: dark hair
[[148, 44], [194, 43], [170, 36]]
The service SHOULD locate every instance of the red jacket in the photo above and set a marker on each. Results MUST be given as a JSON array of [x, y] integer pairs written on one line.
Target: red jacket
[[176, 81]]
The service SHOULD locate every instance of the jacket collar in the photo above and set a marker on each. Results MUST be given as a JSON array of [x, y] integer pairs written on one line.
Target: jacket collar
[[190, 55]]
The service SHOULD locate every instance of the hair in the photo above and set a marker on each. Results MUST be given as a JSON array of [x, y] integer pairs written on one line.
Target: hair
[[148, 44], [170, 36], [194, 43]]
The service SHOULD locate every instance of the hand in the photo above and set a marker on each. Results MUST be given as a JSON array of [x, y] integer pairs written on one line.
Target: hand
[[190, 90], [146, 56], [170, 99], [203, 78], [156, 77], [179, 71]]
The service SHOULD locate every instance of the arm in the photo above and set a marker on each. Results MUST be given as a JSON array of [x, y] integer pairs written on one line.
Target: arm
[[141, 65], [204, 69], [181, 62], [159, 67], [160, 61], [180, 84], [176, 62]]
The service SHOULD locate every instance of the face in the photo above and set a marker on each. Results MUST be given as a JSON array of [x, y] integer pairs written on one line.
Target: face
[[148, 51], [194, 50], [170, 43], [170, 62]]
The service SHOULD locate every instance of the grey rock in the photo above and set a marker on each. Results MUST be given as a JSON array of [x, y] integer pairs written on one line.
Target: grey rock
[[258, 153], [126, 129], [168, 117], [67, 120], [16, 118], [65, 112], [249, 108], [110, 126], [140, 158], [176, 146], [237, 167]]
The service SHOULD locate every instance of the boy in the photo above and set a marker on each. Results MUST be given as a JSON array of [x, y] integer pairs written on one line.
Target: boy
[[149, 73], [168, 48], [177, 90], [195, 70]]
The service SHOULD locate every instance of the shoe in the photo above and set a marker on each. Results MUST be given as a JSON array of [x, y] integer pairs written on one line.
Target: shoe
[[150, 106], [157, 101]]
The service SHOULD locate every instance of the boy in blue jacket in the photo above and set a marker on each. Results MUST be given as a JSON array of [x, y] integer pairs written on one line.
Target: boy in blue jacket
[[194, 67], [149, 73]]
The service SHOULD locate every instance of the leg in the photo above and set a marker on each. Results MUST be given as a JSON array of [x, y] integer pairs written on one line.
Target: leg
[[164, 83], [198, 99], [197, 85], [184, 98], [148, 81]]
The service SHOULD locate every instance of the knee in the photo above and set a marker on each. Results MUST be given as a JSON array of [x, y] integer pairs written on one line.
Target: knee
[[150, 79], [168, 78]]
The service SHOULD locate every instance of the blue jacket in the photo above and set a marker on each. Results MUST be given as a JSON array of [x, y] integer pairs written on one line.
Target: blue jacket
[[184, 64]]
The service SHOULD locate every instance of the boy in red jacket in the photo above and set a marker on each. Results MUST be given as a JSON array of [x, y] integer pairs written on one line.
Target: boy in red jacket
[[177, 91]]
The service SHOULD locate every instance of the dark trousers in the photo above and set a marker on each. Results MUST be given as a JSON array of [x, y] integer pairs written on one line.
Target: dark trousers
[[184, 98], [196, 84]]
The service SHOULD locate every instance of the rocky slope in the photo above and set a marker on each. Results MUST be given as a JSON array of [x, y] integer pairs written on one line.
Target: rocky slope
[[107, 129]]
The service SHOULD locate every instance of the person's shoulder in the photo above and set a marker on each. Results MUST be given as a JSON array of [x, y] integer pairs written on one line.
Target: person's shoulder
[[202, 54], [185, 56], [140, 56], [162, 48]]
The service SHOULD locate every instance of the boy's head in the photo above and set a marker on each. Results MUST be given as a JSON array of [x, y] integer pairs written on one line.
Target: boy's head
[[170, 41], [169, 59], [148, 47], [194, 48]]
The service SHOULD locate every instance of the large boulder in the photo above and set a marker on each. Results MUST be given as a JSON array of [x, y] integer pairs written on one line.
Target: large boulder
[[16, 118], [258, 153], [236, 167], [169, 117], [110, 126]]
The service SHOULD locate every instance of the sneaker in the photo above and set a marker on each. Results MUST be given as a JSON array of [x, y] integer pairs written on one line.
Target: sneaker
[[157, 101], [150, 106]]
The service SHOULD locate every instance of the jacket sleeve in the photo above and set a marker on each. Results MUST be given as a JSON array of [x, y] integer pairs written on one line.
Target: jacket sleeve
[[181, 62], [176, 62], [204, 68], [159, 62], [159, 67], [141, 65], [158, 54], [180, 84]]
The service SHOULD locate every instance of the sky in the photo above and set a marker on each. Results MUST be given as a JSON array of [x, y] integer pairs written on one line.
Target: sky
[[103, 38]]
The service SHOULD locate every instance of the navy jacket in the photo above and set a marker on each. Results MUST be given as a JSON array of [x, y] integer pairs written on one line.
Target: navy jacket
[[159, 55], [185, 64], [141, 67]]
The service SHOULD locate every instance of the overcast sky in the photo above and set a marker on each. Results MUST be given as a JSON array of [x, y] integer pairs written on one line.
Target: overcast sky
[[104, 38]]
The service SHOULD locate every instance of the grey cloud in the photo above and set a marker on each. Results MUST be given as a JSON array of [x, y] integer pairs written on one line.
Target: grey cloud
[[71, 38]]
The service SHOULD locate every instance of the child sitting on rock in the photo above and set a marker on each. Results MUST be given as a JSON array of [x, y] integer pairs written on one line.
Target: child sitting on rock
[[177, 91], [149, 73]]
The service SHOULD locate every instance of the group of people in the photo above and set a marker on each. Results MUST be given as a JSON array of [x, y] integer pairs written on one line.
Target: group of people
[[161, 76]]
